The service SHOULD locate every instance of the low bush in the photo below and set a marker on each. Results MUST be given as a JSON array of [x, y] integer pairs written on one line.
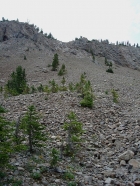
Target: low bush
[[109, 70]]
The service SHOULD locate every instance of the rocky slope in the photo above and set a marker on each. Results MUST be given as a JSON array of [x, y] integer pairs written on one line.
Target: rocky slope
[[110, 152], [122, 55], [27, 37]]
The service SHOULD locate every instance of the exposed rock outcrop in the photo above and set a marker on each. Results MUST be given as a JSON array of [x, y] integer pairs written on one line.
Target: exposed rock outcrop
[[29, 36]]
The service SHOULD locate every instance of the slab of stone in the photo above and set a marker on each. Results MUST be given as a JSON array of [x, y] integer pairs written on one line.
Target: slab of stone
[[127, 155], [134, 163]]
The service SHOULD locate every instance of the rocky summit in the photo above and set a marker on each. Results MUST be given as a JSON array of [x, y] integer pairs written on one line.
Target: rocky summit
[[109, 152]]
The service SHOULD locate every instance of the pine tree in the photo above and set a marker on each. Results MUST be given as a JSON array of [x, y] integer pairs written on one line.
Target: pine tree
[[6, 130], [54, 86], [63, 81], [34, 130], [74, 129], [18, 82], [55, 62]]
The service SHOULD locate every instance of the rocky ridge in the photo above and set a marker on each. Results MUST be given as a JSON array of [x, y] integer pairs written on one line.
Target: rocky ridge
[[28, 37]]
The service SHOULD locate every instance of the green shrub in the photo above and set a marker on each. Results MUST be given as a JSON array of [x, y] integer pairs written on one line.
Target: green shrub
[[40, 88], [84, 87], [2, 109], [33, 89], [60, 73], [26, 90], [36, 175], [106, 92], [2, 174], [71, 87], [46, 89], [72, 184], [68, 176], [54, 86], [109, 70], [63, 88], [115, 96], [62, 70], [54, 157], [87, 100]]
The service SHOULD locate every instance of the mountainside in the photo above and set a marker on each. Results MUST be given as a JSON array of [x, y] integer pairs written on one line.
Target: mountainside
[[15, 35], [109, 152], [122, 55]]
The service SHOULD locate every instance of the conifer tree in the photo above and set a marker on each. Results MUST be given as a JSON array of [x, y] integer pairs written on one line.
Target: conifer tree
[[34, 130], [18, 81], [74, 129], [5, 139], [55, 62]]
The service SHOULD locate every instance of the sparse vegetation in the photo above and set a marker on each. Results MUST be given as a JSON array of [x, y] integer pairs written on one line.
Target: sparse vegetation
[[54, 86], [69, 155], [33, 89], [115, 96], [62, 70], [87, 101], [18, 82], [72, 184], [63, 87], [68, 176], [109, 64], [71, 87], [36, 175], [93, 56], [74, 132], [40, 88], [6, 130], [106, 92], [109, 70], [54, 157], [84, 87], [55, 62], [34, 130]]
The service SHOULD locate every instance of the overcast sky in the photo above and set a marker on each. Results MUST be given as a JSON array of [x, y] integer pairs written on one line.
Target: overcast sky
[[115, 20]]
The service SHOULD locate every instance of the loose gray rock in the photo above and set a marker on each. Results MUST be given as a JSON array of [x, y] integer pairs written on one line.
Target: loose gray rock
[[126, 155], [134, 163]]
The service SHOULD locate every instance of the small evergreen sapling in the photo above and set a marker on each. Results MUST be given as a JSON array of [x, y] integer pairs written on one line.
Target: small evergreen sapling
[[62, 70], [54, 157], [84, 87], [34, 130], [63, 88], [54, 86], [74, 130], [55, 62], [40, 88], [115, 96]]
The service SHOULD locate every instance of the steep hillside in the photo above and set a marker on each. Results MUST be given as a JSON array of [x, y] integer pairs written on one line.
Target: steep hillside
[[110, 150], [122, 55]]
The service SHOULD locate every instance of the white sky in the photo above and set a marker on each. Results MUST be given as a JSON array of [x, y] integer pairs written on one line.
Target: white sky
[[115, 20]]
